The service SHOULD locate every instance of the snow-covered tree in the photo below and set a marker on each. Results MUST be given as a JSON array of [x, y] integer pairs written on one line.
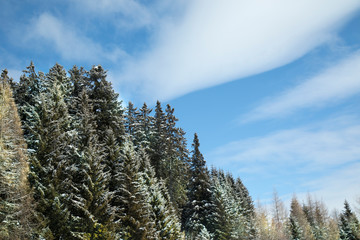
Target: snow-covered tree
[[198, 207], [49, 124], [133, 211], [87, 184], [167, 223], [349, 224]]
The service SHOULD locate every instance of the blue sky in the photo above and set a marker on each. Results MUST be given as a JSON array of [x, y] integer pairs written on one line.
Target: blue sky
[[271, 87]]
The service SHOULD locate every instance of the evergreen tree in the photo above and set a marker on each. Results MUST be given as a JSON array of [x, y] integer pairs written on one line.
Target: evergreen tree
[[107, 108], [26, 94], [131, 122], [133, 210], [91, 212], [166, 221], [349, 224], [50, 139], [157, 152], [144, 128], [197, 209], [228, 218], [176, 161]]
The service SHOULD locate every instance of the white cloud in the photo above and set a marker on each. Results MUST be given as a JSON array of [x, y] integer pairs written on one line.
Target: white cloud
[[335, 188], [335, 83], [133, 13], [322, 159], [68, 42], [220, 41], [310, 148]]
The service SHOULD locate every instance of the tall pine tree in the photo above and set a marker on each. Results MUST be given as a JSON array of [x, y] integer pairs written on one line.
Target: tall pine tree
[[195, 214]]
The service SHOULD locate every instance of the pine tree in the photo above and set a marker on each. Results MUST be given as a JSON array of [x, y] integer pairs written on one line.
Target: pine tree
[[176, 161], [197, 209], [133, 211], [166, 221], [50, 126], [16, 221], [349, 224], [26, 94], [144, 131], [131, 127], [157, 152], [91, 213], [107, 108]]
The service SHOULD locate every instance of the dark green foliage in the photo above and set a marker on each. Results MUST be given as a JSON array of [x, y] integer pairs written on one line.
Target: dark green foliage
[[134, 211], [164, 216], [349, 224], [107, 108], [157, 147], [295, 230], [198, 208], [98, 172], [50, 139], [88, 182], [144, 128]]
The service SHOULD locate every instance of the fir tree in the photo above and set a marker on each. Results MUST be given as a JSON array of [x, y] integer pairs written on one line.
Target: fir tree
[[349, 224], [107, 108], [144, 129], [88, 182], [50, 126], [157, 152], [166, 221], [197, 209], [133, 210], [131, 122]]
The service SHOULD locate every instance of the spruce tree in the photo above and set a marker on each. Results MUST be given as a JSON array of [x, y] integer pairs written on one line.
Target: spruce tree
[[50, 126], [196, 212], [107, 108], [133, 211], [349, 224], [131, 122], [157, 152], [144, 128], [89, 204], [166, 221]]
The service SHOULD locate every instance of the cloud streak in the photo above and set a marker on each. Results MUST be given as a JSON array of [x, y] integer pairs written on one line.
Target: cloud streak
[[68, 42], [322, 159], [336, 83], [216, 42], [310, 149]]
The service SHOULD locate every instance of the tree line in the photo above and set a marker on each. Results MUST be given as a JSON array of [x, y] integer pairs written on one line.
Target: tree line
[[76, 164]]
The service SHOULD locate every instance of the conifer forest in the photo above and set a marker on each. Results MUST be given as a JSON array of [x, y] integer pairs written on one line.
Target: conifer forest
[[76, 164]]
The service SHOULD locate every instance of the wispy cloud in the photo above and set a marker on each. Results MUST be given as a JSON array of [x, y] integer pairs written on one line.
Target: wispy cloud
[[126, 13], [309, 148], [336, 187], [308, 159], [333, 84], [220, 41], [68, 42]]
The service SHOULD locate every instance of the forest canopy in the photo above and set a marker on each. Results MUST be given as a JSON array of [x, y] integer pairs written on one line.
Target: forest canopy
[[76, 164]]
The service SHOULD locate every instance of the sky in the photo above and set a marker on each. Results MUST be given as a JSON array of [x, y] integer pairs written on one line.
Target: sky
[[271, 87]]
